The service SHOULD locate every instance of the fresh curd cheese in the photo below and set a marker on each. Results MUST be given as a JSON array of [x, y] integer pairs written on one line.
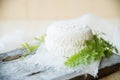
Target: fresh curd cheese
[[66, 39]]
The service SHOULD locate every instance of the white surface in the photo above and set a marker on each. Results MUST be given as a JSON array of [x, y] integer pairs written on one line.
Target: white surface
[[13, 32], [116, 38], [37, 28], [30, 29], [11, 41], [112, 60]]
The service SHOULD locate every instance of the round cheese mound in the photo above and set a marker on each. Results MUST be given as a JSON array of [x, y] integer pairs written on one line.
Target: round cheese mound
[[66, 39]]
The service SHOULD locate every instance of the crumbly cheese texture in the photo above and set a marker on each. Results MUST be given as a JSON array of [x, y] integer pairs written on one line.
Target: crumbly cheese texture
[[66, 39]]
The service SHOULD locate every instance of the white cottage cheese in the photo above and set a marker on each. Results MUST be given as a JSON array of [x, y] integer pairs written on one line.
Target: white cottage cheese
[[66, 39]]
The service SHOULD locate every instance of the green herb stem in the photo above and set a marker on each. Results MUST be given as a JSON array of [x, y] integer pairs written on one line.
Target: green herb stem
[[32, 48]]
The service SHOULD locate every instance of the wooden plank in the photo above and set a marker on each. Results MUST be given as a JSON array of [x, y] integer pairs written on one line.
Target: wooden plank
[[13, 57]]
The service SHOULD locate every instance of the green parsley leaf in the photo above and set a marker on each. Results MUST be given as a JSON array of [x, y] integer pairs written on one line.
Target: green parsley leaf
[[95, 49], [32, 48]]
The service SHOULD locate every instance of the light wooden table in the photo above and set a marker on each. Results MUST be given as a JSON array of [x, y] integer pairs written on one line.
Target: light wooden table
[[114, 76]]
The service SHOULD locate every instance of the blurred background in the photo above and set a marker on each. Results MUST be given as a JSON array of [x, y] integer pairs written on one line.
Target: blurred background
[[33, 16], [57, 9], [29, 18]]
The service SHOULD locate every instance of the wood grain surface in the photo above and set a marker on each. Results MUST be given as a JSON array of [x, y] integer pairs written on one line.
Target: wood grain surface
[[114, 76], [11, 26]]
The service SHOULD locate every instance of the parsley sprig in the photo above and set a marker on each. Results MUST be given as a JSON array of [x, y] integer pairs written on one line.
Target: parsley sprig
[[32, 48], [95, 49]]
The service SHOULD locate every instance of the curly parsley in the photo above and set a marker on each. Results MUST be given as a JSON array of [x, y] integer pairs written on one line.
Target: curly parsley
[[95, 49]]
